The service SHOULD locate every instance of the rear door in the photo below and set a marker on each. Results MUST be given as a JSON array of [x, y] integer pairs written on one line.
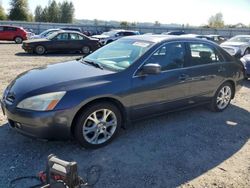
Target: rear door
[[76, 41], [9, 33], [206, 70], [164, 91]]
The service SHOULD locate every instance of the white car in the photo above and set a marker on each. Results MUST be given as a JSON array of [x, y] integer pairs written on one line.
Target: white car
[[110, 36], [45, 33], [237, 46]]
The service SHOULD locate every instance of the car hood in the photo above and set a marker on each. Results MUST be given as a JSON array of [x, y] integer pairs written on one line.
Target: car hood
[[234, 44], [100, 36], [55, 77], [36, 37], [37, 40]]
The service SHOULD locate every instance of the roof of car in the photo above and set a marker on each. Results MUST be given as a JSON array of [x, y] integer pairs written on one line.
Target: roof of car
[[161, 38], [68, 31], [242, 36], [10, 26]]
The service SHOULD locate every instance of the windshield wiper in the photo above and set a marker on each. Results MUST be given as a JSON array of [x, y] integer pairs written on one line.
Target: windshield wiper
[[97, 65]]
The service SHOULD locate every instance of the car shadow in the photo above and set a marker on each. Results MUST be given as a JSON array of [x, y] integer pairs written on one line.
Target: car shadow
[[247, 83], [166, 151], [8, 42], [58, 54]]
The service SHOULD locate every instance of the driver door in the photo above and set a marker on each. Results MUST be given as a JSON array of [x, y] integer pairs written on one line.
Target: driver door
[[167, 90]]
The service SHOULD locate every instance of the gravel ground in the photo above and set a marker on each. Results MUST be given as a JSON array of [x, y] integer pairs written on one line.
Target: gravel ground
[[193, 148]]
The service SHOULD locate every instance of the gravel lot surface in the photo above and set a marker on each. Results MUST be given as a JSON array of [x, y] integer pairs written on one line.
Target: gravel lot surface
[[193, 148]]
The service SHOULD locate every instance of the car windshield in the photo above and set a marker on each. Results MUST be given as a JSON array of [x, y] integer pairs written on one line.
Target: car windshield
[[119, 55], [240, 39], [52, 35], [110, 33]]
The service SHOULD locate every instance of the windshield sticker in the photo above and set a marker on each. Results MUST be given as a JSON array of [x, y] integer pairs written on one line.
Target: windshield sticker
[[141, 44]]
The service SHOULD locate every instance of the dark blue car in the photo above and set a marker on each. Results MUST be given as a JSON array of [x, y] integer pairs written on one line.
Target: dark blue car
[[132, 78], [246, 62]]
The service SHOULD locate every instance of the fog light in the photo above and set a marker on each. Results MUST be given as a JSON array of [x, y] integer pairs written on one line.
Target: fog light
[[18, 125]]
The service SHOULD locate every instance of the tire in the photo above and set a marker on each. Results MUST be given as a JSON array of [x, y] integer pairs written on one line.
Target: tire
[[247, 51], [93, 130], [40, 50], [18, 40], [85, 50], [221, 101]]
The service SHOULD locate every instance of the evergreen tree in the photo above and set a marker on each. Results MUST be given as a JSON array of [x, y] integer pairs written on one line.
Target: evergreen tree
[[19, 10], [38, 13], [67, 12], [53, 12]]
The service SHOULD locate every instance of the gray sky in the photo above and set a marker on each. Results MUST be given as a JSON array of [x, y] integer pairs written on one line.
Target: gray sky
[[193, 12]]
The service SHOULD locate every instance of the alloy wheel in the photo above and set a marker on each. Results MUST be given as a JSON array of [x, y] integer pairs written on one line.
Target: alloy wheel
[[99, 126], [224, 97]]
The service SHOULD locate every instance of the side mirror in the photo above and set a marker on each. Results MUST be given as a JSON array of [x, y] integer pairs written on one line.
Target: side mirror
[[151, 68]]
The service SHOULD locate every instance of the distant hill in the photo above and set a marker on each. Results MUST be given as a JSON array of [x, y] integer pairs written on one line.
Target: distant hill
[[114, 23]]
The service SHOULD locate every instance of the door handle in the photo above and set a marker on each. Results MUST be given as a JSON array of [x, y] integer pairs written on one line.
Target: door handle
[[183, 77]]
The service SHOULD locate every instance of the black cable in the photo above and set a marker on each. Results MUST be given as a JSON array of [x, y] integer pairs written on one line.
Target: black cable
[[94, 172], [25, 177]]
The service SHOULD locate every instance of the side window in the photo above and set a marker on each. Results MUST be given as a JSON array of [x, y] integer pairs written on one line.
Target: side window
[[128, 33], [73, 36], [120, 34], [81, 37], [9, 29], [1, 28], [63, 36], [203, 54], [170, 56]]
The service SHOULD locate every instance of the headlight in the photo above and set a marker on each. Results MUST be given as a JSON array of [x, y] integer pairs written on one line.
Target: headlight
[[44, 102]]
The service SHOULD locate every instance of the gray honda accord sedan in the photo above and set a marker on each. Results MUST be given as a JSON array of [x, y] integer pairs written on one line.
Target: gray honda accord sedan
[[90, 99]]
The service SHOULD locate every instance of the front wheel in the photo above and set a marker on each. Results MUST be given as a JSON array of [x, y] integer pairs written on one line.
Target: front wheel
[[40, 50], [98, 125], [85, 50], [222, 98]]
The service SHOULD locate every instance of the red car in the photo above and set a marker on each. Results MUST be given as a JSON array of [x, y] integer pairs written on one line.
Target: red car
[[12, 33]]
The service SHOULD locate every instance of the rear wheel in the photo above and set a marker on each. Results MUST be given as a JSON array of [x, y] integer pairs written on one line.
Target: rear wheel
[[85, 50], [222, 98], [40, 50], [18, 40], [98, 125]]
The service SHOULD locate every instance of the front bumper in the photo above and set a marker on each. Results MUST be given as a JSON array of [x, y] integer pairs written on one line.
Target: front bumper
[[27, 48], [51, 125]]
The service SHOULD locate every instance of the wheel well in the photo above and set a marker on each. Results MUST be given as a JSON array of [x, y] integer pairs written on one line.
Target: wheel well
[[18, 36], [113, 101]]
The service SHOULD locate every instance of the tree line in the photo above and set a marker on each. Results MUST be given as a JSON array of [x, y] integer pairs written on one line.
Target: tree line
[[62, 12]]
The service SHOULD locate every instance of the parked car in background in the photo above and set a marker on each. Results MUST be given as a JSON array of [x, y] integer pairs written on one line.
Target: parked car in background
[[174, 33], [217, 38], [13, 33], [45, 33], [197, 36], [66, 41], [110, 36], [237, 46], [71, 29], [132, 78], [246, 62]]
